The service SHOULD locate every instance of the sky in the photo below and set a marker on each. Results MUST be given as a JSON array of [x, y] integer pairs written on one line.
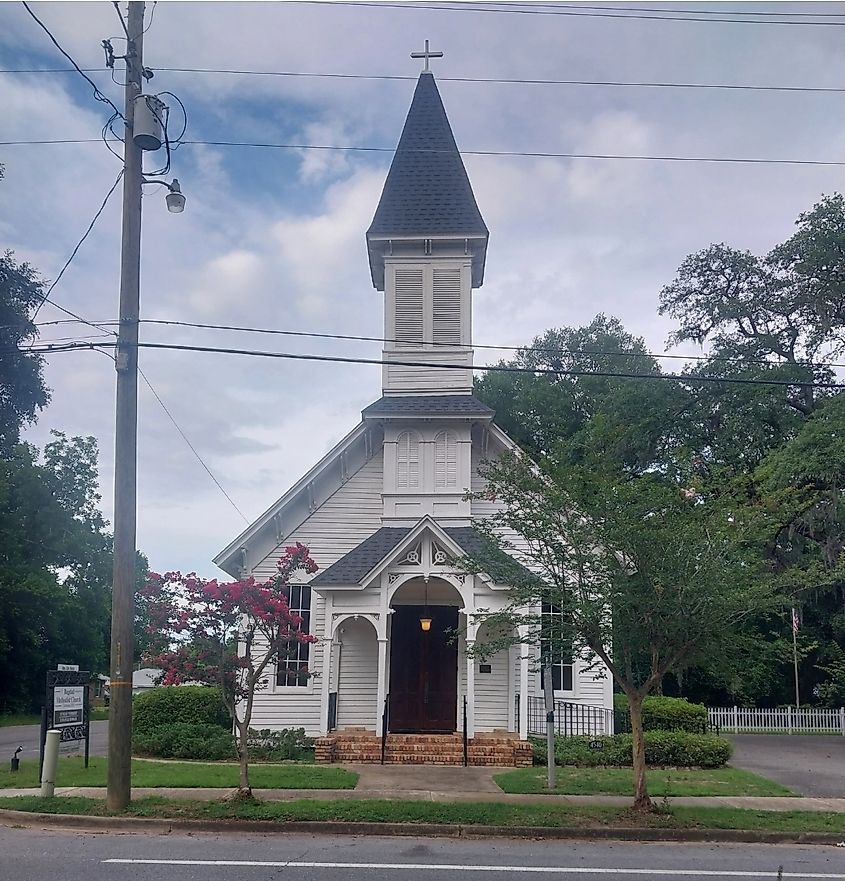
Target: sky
[[274, 238]]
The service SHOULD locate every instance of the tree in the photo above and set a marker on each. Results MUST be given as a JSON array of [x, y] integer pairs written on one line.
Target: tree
[[55, 567], [22, 388], [568, 416], [226, 634], [647, 578]]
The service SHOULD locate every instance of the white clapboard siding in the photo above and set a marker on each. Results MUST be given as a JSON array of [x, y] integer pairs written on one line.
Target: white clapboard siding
[[491, 693], [446, 307], [445, 460], [341, 523], [778, 720], [357, 691], [408, 307]]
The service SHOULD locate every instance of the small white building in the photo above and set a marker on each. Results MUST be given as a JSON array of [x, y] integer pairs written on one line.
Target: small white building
[[385, 513]]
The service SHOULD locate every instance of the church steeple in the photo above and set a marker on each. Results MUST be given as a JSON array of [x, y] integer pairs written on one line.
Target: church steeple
[[427, 194], [427, 246]]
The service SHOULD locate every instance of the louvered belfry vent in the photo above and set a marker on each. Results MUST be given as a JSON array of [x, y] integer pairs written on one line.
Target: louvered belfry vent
[[409, 295], [446, 307]]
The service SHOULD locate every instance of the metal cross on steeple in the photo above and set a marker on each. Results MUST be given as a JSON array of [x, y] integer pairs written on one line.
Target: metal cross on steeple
[[426, 54]]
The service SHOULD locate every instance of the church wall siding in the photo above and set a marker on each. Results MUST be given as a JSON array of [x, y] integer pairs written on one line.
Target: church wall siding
[[342, 522]]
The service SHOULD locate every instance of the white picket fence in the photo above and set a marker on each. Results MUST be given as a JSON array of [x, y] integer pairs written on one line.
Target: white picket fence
[[779, 720]]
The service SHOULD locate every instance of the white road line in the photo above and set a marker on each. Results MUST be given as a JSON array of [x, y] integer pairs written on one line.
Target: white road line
[[444, 867]]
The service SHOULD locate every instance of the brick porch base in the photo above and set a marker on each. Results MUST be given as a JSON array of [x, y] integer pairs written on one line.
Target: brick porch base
[[500, 749]]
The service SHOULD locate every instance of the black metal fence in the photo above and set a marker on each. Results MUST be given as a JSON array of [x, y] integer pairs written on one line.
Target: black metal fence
[[572, 720]]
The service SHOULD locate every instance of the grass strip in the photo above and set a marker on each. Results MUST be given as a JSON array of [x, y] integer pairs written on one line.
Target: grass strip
[[661, 781], [463, 813], [72, 772], [8, 719]]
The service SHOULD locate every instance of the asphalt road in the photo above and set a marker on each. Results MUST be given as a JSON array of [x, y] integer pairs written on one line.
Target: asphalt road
[[807, 764], [27, 736], [35, 855]]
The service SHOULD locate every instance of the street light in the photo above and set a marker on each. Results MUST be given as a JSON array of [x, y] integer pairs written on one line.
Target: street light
[[175, 199]]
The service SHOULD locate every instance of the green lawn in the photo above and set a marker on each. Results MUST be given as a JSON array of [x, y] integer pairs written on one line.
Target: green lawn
[[72, 772], [99, 714], [661, 781], [550, 816], [7, 719]]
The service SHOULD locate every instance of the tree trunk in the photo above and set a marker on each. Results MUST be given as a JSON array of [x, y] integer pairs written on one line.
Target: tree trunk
[[244, 789], [549, 701], [642, 802]]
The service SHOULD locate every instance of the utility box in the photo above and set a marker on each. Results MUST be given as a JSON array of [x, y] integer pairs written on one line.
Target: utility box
[[148, 126]]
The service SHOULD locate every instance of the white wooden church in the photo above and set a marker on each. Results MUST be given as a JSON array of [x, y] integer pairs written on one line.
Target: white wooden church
[[384, 513]]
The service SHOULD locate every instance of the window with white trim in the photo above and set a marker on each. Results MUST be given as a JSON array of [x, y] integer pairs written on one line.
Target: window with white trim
[[408, 468], [553, 632], [445, 460], [292, 665]]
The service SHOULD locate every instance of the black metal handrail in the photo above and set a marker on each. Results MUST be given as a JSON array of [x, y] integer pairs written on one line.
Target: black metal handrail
[[466, 738], [332, 715], [385, 718]]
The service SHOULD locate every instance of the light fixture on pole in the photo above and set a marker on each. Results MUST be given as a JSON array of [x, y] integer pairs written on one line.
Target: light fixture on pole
[[425, 618], [175, 199]]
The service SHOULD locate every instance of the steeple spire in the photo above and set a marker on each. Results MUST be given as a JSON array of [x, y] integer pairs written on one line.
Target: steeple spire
[[427, 194]]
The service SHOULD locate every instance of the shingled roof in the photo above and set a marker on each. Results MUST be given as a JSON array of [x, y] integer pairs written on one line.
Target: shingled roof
[[352, 567], [427, 191], [428, 405]]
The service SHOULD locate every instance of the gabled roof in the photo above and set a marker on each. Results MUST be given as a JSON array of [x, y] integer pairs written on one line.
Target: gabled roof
[[466, 406], [354, 567], [427, 191]]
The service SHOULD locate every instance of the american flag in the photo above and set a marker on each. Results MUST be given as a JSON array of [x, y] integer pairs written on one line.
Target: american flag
[[796, 620]]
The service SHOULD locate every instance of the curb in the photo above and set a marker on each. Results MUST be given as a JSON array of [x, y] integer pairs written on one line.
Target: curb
[[418, 830]]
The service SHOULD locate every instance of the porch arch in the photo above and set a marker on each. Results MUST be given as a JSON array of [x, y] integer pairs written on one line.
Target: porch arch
[[357, 665]]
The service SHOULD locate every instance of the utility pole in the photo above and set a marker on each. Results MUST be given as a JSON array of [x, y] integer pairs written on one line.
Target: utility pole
[[126, 436]]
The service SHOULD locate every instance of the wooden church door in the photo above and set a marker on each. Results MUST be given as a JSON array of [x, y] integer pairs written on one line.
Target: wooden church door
[[423, 671]]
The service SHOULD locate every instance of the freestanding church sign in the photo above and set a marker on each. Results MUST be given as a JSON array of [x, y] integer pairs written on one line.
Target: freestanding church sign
[[66, 707]]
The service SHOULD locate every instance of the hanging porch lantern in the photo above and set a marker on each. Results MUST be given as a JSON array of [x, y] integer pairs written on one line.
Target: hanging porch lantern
[[425, 618]]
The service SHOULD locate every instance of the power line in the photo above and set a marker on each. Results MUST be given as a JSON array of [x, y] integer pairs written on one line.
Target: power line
[[493, 368], [192, 448], [442, 7], [526, 348], [736, 360], [683, 11], [537, 154], [97, 93], [46, 297], [458, 79]]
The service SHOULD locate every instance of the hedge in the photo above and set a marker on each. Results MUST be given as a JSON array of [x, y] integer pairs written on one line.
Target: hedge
[[668, 713], [677, 749], [279, 746], [186, 704], [182, 740]]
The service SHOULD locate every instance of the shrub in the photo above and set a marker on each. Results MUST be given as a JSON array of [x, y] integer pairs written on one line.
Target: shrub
[[679, 749], [279, 746], [182, 740], [187, 704], [668, 713]]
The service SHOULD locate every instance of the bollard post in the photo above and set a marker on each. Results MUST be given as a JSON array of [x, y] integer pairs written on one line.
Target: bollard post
[[51, 757]]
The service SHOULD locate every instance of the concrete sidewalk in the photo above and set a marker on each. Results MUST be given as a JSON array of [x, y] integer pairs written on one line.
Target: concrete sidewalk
[[756, 803]]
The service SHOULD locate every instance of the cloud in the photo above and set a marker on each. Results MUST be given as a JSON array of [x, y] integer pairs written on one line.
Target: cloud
[[275, 238]]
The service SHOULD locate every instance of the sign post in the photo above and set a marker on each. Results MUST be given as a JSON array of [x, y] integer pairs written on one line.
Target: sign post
[[66, 706]]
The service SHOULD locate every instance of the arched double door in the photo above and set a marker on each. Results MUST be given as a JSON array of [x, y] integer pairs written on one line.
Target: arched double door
[[423, 690]]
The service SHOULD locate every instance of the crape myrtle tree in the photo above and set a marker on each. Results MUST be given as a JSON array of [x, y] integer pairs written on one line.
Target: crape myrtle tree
[[226, 634], [647, 578]]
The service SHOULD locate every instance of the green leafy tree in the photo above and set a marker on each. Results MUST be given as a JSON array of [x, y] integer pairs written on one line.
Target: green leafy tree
[[22, 388], [648, 579], [570, 417]]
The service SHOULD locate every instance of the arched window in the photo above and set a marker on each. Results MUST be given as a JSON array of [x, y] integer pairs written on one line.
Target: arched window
[[408, 461], [446, 460]]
